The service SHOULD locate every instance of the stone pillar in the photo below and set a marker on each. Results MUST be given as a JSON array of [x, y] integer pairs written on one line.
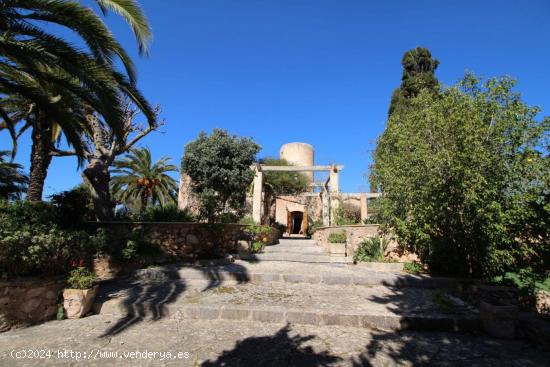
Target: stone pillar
[[333, 182], [325, 211], [364, 208], [184, 192], [257, 196]]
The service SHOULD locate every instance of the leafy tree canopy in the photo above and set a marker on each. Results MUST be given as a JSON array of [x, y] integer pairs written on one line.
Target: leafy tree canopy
[[418, 74], [466, 179], [283, 183], [219, 167]]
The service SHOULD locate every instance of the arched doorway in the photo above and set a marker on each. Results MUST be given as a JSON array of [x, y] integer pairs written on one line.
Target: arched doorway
[[297, 222]]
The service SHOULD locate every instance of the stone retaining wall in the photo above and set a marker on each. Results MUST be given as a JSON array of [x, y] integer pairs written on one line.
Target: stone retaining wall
[[355, 234], [28, 301], [188, 240]]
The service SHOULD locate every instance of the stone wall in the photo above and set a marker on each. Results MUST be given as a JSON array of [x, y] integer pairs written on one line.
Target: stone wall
[[188, 240], [28, 301], [355, 234]]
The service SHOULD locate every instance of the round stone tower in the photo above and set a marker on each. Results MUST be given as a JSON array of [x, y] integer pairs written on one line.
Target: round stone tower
[[299, 154]]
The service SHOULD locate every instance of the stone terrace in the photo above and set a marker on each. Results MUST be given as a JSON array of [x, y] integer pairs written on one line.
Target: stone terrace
[[277, 313]]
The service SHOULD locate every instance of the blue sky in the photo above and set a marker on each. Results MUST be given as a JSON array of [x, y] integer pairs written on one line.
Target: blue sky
[[318, 71]]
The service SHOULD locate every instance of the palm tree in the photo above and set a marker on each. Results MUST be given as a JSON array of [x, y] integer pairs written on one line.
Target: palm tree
[[137, 180], [12, 181], [53, 85]]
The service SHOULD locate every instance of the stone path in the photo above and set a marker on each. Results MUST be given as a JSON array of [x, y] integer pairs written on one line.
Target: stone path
[[238, 344], [297, 251], [270, 313]]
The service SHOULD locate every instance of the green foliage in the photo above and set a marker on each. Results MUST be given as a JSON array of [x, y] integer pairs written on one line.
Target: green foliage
[[138, 181], [167, 213], [346, 214], [258, 236], [418, 75], [337, 237], [247, 219], [371, 249], [283, 183], [75, 206], [256, 247], [13, 182], [33, 242], [465, 177], [219, 167], [138, 251], [39, 66], [526, 280], [414, 268], [81, 278]]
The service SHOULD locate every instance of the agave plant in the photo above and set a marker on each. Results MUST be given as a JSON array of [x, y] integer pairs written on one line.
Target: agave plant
[[137, 181]]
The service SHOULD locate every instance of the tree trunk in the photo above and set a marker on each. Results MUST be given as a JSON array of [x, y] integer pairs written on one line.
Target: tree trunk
[[97, 177], [40, 161]]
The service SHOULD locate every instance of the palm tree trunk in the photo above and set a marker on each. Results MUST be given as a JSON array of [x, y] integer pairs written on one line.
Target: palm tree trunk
[[40, 160], [96, 176]]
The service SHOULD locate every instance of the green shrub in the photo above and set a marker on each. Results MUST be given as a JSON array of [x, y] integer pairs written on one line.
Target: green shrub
[[526, 280], [338, 237], [346, 214], [257, 236], [81, 278], [32, 241], [137, 250], [414, 268], [74, 207], [371, 249], [167, 213], [247, 219], [465, 177], [256, 247]]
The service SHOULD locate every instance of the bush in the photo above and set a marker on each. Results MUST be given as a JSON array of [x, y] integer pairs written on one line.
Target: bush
[[339, 237], [137, 251], [167, 213], [257, 236], [74, 207], [527, 281], [346, 214], [465, 177], [81, 278], [256, 247], [371, 249], [414, 268], [32, 241]]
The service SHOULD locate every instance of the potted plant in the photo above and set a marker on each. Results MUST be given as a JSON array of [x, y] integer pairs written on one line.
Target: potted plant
[[79, 297], [337, 244]]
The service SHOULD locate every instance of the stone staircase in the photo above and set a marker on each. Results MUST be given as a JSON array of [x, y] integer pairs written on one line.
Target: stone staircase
[[296, 250], [293, 282]]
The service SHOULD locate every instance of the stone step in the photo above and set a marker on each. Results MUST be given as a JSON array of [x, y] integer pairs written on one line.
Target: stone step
[[295, 257], [339, 274], [377, 307], [294, 249], [379, 321]]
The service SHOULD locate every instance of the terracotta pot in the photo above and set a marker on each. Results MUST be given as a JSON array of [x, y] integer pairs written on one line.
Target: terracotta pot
[[78, 302]]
